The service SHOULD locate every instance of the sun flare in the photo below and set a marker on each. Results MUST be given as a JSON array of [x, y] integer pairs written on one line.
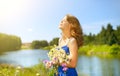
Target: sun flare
[[10, 8]]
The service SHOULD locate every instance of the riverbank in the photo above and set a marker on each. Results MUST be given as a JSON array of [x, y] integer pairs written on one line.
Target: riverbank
[[100, 50], [91, 50]]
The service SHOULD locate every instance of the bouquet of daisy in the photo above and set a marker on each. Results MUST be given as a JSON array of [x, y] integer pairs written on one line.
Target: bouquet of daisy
[[57, 56]]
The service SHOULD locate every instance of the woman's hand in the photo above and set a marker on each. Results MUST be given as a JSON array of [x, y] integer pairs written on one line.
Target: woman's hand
[[48, 64]]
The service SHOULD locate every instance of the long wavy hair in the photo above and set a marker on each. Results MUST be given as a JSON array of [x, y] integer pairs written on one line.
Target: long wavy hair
[[75, 30]]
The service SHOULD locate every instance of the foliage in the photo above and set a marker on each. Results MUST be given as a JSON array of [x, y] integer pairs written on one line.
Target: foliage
[[48, 47], [107, 36], [115, 50], [104, 50], [54, 41], [117, 33], [37, 70], [36, 44], [9, 42]]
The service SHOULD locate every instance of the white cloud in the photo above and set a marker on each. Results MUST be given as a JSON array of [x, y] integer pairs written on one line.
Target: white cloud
[[29, 29]]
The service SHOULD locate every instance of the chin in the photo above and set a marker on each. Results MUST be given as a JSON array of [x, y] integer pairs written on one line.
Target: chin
[[60, 27]]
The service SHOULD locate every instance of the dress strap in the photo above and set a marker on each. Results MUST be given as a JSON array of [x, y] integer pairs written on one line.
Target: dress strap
[[67, 41], [59, 41]]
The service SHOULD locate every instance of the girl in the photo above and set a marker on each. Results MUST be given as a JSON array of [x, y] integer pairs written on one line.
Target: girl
[[70, 41]]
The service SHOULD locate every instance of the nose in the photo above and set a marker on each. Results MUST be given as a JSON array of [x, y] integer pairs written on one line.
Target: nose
[[61, 22]]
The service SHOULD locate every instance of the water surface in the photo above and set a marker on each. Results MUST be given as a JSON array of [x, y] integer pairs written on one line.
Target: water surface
[[87, 66]]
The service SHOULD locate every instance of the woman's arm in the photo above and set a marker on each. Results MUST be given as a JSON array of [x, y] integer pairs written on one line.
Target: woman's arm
[[73, 48]]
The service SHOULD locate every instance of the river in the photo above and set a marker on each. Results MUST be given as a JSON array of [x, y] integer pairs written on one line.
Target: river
[[87, 66]]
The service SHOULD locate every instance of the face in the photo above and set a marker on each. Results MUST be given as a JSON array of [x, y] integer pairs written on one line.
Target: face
[[64, 24]]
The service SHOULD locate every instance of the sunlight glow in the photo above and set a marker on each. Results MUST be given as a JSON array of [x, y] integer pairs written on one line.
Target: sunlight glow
[[10, 8]]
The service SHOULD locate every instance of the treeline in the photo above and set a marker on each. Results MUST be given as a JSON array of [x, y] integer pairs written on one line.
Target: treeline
[[36, 44], [107, 35], [9, 42]]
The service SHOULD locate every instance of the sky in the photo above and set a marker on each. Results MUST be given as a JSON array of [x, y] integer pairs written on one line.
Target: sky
[[39, 19]]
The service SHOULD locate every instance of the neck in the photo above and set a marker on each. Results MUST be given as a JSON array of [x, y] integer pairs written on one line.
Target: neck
[[65, 34]]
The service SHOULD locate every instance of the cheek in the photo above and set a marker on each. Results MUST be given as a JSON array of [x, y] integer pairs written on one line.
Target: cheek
[[62, 26]]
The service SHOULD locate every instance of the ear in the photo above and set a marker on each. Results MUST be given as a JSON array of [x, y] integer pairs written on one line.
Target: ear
[[72, 32]]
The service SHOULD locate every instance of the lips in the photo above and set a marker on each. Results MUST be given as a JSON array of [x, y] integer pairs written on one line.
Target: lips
[[60, 25]]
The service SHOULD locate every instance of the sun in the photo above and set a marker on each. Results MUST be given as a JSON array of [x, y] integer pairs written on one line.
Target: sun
[[10, 8]]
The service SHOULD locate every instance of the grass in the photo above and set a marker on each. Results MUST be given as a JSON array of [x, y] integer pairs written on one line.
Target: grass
[[100, 50], [37, 70]]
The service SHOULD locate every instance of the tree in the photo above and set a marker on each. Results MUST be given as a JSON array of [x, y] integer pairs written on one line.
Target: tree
[[102, 36], [9, 42], [112, 39], [110, 36], [35, 44], [43, 43], [89, 39], [107, 36], [117, 33], [54, 41]]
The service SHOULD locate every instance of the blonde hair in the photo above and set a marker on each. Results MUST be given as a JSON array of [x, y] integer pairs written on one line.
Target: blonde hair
[[76, 30]]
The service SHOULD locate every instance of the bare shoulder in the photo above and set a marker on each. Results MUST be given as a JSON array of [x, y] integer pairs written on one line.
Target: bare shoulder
[[72, 41], [73, 46]]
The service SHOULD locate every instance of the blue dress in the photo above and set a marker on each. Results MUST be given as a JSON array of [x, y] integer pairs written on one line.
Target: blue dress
[[70, 71]]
